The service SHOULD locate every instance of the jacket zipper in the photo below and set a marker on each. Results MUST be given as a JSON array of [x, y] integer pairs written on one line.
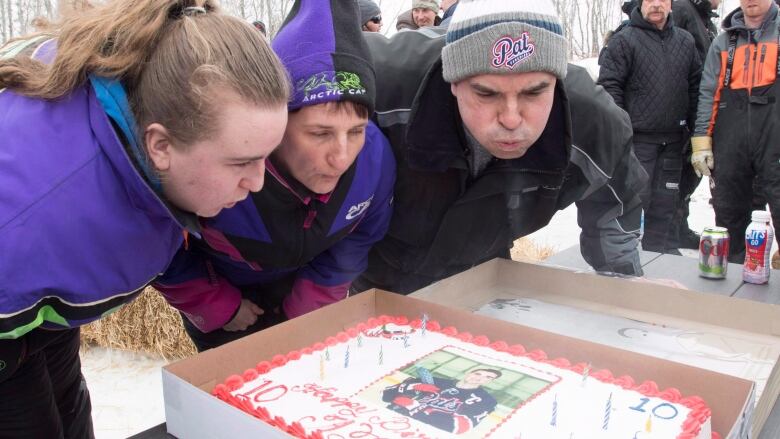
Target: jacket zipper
[[310, 218], [755, 68], [501, 169]]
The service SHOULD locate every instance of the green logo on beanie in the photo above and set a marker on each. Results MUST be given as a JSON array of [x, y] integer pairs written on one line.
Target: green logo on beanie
[[348, 81], [2, 365], [328, 84]]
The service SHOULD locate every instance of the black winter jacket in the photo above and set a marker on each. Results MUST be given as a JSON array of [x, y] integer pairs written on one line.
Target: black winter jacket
[[695, 16], [445, 221], [653, 75]]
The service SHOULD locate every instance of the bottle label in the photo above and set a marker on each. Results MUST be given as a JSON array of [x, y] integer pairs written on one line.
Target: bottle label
[[756, 238], [757, 243]]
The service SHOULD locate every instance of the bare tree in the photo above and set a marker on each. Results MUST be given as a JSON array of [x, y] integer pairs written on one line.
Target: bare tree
[[270, 12], [389, 21], [21, 16], [9, 18], [3, 24], [585, 22], [18, 17]]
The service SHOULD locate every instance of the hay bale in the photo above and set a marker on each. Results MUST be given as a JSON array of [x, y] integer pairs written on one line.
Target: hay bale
[[148, 325], [525, 250]]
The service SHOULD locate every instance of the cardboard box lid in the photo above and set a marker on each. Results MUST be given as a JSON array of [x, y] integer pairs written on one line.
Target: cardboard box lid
[[629, 298], [727, 400], [466, 291]]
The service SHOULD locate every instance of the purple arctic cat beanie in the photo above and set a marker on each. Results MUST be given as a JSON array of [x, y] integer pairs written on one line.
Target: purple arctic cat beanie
[[322, 46]]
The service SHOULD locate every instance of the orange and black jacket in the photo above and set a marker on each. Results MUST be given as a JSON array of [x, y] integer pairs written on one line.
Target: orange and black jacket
[[753, 64]]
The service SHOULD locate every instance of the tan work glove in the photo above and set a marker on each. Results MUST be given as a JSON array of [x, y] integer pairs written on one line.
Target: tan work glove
[[702, 159]]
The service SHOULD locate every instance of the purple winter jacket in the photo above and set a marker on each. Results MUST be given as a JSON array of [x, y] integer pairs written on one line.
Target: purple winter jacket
[[81, 232], [286, 230]]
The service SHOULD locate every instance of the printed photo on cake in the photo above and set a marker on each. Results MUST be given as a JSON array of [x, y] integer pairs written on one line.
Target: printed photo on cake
[[457, 391]]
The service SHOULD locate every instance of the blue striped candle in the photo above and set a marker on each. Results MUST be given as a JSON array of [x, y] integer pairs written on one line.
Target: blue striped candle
[[607, 412]]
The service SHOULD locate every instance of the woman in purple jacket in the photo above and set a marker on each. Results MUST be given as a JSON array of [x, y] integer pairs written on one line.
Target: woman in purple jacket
[[117, 129], [297, 245]]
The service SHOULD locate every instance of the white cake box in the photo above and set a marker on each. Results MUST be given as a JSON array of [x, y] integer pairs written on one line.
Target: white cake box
[[192, 413]]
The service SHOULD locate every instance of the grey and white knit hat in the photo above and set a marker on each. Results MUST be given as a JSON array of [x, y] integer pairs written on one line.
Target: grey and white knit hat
[[433, 5], [502, 36]]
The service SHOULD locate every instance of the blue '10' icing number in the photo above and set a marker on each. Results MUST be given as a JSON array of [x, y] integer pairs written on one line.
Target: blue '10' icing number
[[663, 410]]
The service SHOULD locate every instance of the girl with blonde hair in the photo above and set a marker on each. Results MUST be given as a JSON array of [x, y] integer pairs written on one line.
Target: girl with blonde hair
[[119, 126]]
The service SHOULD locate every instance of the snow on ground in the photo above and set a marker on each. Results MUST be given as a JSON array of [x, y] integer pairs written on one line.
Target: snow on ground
[[563, 231], [126, 391], [126, 388]]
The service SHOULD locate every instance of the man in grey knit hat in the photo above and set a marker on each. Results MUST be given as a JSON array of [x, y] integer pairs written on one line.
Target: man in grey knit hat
[[493, 133], [370, 16], [424, 13]]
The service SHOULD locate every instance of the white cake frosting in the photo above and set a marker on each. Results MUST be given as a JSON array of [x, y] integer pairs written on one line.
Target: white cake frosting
[[392, 381]]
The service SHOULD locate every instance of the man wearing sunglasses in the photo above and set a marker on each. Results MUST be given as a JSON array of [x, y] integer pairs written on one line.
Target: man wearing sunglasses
[[370, 16]]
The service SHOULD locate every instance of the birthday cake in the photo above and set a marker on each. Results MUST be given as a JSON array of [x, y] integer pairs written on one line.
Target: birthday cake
[[391, 378]]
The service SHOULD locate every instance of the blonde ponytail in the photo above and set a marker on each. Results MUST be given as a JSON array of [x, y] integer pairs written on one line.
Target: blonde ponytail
[[169, 54]]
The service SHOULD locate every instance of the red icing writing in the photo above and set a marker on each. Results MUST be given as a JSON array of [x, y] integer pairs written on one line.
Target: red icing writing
[[379, 428], [264, 393], [325, 395], [375, 427]]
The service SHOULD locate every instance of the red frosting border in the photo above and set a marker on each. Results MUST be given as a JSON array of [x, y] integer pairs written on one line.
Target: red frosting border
[[691, 426]]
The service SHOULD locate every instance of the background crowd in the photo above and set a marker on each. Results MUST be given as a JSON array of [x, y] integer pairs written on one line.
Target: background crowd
[[253, 181], [700, 104]]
